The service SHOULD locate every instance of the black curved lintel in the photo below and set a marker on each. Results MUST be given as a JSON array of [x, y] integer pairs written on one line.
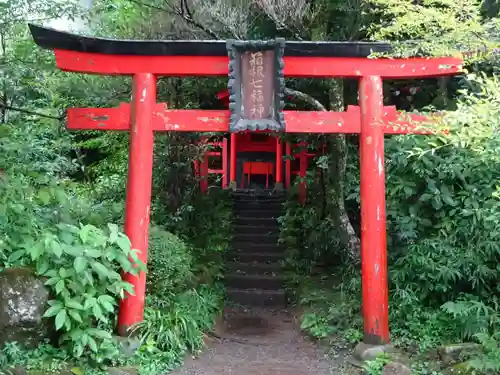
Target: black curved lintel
[[53, 39]]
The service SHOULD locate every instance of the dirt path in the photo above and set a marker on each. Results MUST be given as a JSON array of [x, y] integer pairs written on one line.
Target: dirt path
[[259, 342]]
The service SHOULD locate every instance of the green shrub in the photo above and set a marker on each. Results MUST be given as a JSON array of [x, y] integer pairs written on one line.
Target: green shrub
[[173, 327], [82, 265], [169, 263]]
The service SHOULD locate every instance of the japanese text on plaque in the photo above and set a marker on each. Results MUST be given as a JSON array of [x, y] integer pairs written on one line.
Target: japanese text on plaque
[[257, 77]]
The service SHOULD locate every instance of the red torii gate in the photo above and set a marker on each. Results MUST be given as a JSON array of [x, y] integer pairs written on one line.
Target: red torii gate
[[145, 60]]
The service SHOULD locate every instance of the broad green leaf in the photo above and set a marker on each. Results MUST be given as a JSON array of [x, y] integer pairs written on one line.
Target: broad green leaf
[[113, 233], [101, 270], [99, 333], [61, 319], [84, 233], [52, 281], [59, 286], [37, 250], [60, 195], [53, 310], [44, 196], [52, 273], [78, 350], [129, 288], [123, 243], [96, 310], [16, 255], [67, 238], [106, 298], [73, 250], [107, 302], [76, 315], [80, 264], [42, 266], [66, 272], [446, 196], [56, 248], [93, 253], [92, 345], [89, 303], [71, 303], [85, 339]]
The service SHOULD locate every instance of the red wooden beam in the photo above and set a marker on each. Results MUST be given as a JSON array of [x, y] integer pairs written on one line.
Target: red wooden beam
[[218, 120], [294, 66], [163, 119], [395, 122]]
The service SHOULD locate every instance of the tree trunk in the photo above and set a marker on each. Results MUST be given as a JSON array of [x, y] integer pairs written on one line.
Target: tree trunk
[[338, 150], [336, 171]]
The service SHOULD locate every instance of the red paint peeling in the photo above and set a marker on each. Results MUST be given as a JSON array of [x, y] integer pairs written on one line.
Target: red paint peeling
[[138, 194], [302, 66], [347, 122], [373, 221]]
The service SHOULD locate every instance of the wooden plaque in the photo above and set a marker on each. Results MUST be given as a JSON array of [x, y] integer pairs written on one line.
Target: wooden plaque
[[256, 85]]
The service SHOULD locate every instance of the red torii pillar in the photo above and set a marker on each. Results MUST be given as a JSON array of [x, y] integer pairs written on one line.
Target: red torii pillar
[[138, 194], [373, 218], [278, 183]]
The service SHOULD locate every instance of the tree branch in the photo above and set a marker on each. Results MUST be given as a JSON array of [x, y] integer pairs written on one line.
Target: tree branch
[[306, 98], [186, 16], [28, 112]]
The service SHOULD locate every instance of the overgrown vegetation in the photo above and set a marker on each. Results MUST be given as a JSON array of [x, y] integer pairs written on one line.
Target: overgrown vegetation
[[62, 204], [442, 203]]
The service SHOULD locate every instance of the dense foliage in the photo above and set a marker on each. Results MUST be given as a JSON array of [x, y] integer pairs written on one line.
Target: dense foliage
[[442, 201], [62, 203]]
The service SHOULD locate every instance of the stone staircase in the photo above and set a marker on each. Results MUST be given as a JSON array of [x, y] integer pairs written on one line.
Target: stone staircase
[[254, 271]]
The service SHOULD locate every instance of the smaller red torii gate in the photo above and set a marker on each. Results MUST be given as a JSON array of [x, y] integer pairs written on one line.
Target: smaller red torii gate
[[146, 60]]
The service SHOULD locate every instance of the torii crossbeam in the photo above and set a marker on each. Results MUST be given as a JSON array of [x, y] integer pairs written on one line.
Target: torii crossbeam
[[256, 71]]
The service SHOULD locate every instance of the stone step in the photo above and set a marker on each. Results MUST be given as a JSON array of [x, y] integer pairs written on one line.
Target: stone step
[[239, 268], [254, 229], [253, 247], [256, 297], [258, 213], [255, 205], [259, 192], [255, 257], [240, 281], [257, 221], [246, 198], [256, 238]]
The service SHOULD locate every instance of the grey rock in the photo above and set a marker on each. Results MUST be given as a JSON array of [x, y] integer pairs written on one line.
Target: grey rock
[[366, 352], [127, 345], [23, 301], [18, 370], [457, 352], [396, 368]]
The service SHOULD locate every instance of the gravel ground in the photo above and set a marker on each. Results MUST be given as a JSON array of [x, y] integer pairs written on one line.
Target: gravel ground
[[259, 342]]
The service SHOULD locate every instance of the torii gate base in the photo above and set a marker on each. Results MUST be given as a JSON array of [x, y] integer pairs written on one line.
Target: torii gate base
[[146, 60]]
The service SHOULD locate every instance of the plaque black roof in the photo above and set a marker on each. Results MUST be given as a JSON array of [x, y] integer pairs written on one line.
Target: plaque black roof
[[54, 39]]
